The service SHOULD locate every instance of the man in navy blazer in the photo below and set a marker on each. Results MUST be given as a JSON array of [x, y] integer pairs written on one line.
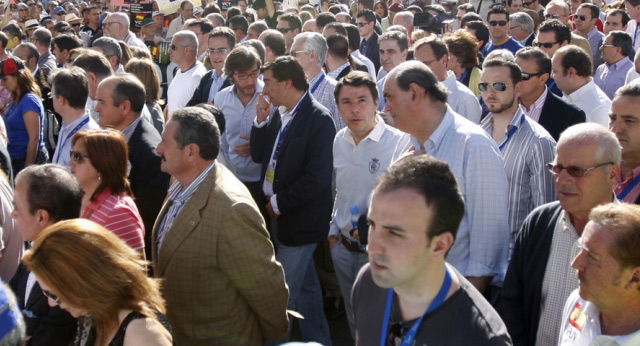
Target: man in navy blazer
[[44, 195], [294, 146]]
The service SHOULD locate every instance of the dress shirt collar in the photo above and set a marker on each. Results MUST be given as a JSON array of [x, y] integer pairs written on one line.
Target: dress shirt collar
[[181, 194], [619, 64], [538, 103], [314, 79], [375, 134], [524, 42], [593, 32], [583, 90], [333, 74], [567, 219], [626, 180], [128, 131], [450, 81], [438, 135]]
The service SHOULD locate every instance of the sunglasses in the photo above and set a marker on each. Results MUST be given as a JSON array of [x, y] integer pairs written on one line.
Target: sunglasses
[[498, 22], [581, 17], [545, 44], [51, 296], [528, 3], [219, 50], [75, 24], [527, 76], [552, 16], [284, 30], [573, 171], [497, 86], [361, 24], [77, 156]]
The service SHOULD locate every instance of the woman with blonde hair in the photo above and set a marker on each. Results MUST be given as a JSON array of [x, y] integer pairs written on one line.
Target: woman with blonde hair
[[99, 162], [145, 71], [98, 279], [24, 116]]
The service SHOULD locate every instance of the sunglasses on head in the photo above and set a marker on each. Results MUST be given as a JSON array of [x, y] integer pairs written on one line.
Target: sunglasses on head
[[498, 22], [573, 171], [545, 44], [77, 156], [497, 86], [527, 76]]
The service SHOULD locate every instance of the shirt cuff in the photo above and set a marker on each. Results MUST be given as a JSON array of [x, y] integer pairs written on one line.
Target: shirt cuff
[[259, 125], [274, 204]]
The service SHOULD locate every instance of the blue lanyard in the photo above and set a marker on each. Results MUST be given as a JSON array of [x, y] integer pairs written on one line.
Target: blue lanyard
[[512, 131], [464, 75], [635, 34], [283, 132], [411, 334], [315, 86], [73, 132], [552, 85], [629, 187]]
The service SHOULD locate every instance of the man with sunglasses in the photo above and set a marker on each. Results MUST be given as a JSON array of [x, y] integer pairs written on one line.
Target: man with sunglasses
[[617, 50], [540, 278], [585, 20], [221, 41], [290, 26], [365, 22], [183, 52], [571, 70], [525, 145], [44, 194], [536, 98], [559, 10], [498, 20]]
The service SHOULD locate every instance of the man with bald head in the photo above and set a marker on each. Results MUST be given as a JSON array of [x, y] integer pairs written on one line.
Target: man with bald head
[[183, 52], [116, 25]]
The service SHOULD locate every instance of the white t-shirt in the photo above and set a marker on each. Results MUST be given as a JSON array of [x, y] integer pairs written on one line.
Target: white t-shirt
[[183, 85]]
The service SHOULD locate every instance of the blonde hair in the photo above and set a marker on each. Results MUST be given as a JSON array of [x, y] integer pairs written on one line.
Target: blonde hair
[[90, 268], [146, 72]]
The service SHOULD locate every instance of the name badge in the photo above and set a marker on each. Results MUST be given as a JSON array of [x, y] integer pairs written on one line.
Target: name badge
[[270, 175], [578, 318]]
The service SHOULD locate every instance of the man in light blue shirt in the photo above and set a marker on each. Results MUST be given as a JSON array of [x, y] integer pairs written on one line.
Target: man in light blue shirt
[[616, 51], [418, 104]]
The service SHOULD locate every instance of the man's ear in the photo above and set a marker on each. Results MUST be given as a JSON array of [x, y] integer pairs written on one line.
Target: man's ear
[[43, 217]]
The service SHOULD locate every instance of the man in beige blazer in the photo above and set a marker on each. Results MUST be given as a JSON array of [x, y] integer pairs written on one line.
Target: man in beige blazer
[[222, 284]]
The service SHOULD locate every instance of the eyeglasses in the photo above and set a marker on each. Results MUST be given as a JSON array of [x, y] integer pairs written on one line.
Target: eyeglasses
[[515, 27], [528, 3], [246, 76], [498, 22], [284, 30], [581, 17], [361, 24], [77, 156], [551, 16], [219, 50], [51, 296], [295, 53], [607, 45], [545, 44], [573, 171], [497, 86], [527, 76]]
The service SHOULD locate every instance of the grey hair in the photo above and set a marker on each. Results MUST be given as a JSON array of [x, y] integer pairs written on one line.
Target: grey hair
[[564, 5], [522, 19], [405, 16], [314, 41], [197, 126], [608, 148], [189, 39], [109, 46], [216, 19], [122, 19], [399, 28]]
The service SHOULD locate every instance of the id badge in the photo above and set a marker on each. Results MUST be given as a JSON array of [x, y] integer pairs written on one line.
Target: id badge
[[270, 174]]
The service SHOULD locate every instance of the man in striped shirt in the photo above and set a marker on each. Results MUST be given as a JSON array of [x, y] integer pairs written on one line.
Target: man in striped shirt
[[525, 145], [625, 123]]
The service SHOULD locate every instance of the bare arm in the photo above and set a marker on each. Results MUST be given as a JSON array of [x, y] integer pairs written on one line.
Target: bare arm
[[32, 123]]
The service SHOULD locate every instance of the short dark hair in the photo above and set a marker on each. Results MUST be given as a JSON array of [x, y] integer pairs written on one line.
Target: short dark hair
[[110, 47], [338, 27], [467, 8], [536, 55], [275, 41], [285, 68], [399, 37], [619, 12], [217, 113], [595, 11], [623, 40], [481, 31], [43, 36], [4, 39], [204, 25], [66, 42], [197, 126], [259, 27], [325, 18], [239, 22], [356, 79], [632, 89], [94, 62], [338, 46], [223, 31], [52, 188], [438, 47], [514, 69], [368, 15], [415, 72], [433, 180], [72, 84], [240, 59], [576, 57], [470, 17], [32, 51], [128, 88], [13, 30], [353, 35], [499, 9], [562, 32], [234, 11], [293, 20]]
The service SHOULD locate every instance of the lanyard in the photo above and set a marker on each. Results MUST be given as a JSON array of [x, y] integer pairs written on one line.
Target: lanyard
[[512, 131], [283, 132], [464, 75], [315, 86], [411, 334], [73, 132], [552, 85], [635, 34], [629, 187]]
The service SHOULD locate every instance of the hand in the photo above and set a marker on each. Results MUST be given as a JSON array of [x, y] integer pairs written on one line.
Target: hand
[[333, 241], [410, 152], [271, 212], [243, 149], [262, 108]]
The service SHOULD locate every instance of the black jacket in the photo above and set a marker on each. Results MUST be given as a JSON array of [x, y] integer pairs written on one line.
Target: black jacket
[[201, 94], [557, 115], [302, 179]]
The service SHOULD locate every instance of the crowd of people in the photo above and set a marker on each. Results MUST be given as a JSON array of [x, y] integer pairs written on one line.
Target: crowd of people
[[406, 164]]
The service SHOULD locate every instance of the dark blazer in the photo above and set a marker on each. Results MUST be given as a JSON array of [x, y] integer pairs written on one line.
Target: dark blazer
[[372, 51], [344, 72], [529, 42], [303, 172], [201, 94], [45, 325], [557, 114], [148, 183]]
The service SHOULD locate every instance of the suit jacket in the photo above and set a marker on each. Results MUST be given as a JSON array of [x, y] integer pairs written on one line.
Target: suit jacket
[[557, 115], [344, 72], [201, 94], [529, 42], [148, 183], [222, 283], [46, 325], [302, 180], [373, 51]]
